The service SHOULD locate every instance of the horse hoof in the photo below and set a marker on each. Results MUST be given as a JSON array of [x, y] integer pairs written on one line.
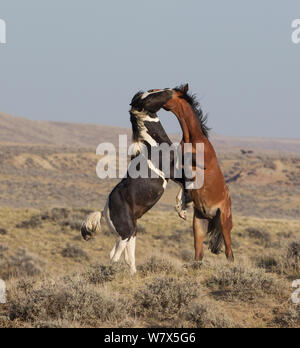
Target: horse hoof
[[182, 214]]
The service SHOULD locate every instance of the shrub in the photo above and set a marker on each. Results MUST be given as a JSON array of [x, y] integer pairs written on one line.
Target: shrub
[[164, 297], [242, 282], [288, 318], [294, 251], [67, 299], [3, 248], [21, 264], [287, 262], [141, 229], [55, 324], [56, 214], [194, 265], [177, 236], [286, 235], [206, 315], [155, 265], [187, 255], [99, 274], [291, 260], [3, 231], [34, 222], [260, 235], [269, 263], [74, 252]]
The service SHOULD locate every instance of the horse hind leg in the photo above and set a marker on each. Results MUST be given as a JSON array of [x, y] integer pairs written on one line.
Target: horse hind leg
[[226, 227], [130, 254], [127, 255], [126, 241], [200, 227], [113, 251], [120, 247]]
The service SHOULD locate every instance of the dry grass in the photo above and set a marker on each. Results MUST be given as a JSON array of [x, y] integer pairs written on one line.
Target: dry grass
[[55, 279], [62, 281]]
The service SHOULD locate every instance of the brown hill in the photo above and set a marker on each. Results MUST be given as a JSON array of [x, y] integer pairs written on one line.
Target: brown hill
[[21, 130]]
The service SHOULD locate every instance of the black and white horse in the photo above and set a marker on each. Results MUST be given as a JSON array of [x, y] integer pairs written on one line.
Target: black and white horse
[[133, 197]]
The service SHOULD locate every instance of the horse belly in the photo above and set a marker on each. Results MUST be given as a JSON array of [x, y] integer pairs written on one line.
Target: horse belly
[[145, 194], [205, 204]]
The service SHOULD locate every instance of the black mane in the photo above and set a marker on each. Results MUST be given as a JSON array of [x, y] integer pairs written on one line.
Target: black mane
[[191, 99]]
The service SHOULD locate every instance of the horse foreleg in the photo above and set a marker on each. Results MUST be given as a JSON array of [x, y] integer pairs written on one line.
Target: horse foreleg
[[200, 227], [180, 203]]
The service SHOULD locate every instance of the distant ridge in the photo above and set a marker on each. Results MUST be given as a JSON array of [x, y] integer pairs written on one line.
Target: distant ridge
[[24, 131], [21, 130]]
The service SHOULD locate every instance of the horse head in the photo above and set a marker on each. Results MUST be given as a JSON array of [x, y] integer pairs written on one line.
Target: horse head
[[151, 101]]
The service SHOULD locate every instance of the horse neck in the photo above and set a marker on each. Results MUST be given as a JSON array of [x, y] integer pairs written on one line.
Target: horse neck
[[189, 122], [149, 130]]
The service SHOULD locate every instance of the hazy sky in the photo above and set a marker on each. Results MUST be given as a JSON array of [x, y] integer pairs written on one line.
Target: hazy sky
[[82, 60]]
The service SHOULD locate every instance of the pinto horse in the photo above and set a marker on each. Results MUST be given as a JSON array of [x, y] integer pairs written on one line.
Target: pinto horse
[[212, 202], [133, 197]]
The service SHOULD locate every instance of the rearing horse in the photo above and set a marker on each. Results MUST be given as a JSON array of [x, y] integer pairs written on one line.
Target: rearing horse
[[212, 203], [134, 196]]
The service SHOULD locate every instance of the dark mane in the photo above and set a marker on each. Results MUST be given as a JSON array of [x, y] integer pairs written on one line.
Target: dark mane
[[191, 99]]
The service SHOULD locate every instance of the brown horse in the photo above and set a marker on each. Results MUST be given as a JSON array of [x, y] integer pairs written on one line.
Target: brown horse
[[212, 203]]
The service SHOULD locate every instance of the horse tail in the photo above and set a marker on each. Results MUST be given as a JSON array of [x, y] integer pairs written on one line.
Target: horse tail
[[91, 225], [215, 234]]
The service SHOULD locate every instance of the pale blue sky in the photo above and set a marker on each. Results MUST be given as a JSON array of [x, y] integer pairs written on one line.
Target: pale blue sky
[[82, 60]]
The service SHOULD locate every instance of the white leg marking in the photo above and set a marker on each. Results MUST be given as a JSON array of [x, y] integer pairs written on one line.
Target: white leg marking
[[131, 254], [119, 250], [113, 251], [127, 260], [180, 203]]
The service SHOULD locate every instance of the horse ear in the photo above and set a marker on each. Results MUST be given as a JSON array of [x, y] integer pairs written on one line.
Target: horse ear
[[185, 88]]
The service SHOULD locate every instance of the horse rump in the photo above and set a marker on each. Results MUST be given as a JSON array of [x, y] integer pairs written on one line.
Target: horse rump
[[91, 225]]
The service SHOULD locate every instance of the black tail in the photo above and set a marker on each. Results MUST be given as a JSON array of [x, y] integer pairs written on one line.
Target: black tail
[[215, 234]]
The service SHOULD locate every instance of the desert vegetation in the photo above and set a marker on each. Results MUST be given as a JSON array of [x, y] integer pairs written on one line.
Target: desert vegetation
[[55, 279], [58, 280]]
